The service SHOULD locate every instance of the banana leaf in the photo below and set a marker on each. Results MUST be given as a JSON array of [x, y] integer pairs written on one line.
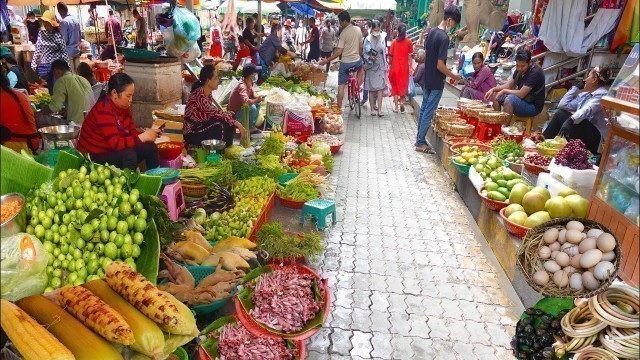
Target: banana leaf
[[19, 174], [246, 299], [148, 262], [210, 345]]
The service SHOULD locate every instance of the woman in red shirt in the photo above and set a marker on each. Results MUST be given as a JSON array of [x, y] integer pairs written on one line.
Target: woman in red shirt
[[17, 118], [109, 134], [203, 118]]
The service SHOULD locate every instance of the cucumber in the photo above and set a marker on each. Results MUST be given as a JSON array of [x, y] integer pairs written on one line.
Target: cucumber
[[495, 195]]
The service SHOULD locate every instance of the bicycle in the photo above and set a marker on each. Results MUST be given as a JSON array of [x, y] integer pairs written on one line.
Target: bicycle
[[353, 91]]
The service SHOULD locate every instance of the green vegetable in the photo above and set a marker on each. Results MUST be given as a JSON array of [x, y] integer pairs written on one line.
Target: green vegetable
[[210, 174], [244, 170], [327, 162], [298, 191], [259, 185], [320, 148], [277, 243], [200, 216], [272, 146], [508, 147]]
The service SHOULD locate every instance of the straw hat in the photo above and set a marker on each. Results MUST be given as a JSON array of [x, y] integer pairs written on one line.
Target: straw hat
[[49, 17]]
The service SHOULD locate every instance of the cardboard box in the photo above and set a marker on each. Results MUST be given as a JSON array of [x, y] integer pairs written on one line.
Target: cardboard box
[[173, 129]]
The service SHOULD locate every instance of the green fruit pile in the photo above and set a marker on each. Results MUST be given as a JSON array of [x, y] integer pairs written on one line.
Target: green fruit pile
[[487, 164], [86, 219], [236, 222], [532, 206], [500, 182]]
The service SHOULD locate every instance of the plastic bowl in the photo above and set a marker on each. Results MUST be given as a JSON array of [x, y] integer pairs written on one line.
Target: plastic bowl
[[463, 168], [513, 228], [170, 150], [169, 175], [454, 148]]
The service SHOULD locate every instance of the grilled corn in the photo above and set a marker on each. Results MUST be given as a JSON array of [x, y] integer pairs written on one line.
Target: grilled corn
[[96, 314], [31, 339]]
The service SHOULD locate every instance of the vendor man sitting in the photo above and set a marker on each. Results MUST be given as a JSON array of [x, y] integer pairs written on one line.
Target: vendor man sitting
[[580, 115], [243, 94], [523, 94], [71, 91], [109, 134]]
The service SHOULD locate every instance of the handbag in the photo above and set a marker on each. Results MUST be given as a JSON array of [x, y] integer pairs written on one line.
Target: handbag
[[411, 91]]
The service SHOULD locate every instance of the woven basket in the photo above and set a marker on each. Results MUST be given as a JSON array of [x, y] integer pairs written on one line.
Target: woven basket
[[462, 102], [494, 117], [476, 110], [170, 116], [529, 262], [195, 191], [460, 129]]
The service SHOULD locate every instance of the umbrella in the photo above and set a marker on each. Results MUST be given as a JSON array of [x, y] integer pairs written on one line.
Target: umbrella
[[246, 7]]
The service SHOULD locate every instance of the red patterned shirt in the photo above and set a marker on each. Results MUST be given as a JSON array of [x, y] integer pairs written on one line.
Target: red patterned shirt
[[107, 128], [201, 109]]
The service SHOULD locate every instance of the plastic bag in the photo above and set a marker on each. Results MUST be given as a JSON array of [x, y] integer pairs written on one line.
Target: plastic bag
[[582, 181], [186, 29], [411, 91], [298, 120], [193, 53], [23, 266], [332, 124], [280, 69], [223, 93]]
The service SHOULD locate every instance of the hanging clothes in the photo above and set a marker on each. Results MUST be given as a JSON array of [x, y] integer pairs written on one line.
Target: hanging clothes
[[628, 21], [562, 28], [601, 24]]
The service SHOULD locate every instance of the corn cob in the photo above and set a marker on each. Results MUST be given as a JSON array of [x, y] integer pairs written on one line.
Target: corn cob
[[149, 339], [96, 314], [31, 339], [152, 302], [83, 343]]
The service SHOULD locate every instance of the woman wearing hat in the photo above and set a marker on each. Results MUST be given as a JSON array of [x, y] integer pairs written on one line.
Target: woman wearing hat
[[49, 47]]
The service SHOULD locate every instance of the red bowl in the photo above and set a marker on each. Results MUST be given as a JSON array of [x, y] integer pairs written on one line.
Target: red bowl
[[292, 204], [170, 153], [534, 169], [494, 205], [334, 148], [513, 228]]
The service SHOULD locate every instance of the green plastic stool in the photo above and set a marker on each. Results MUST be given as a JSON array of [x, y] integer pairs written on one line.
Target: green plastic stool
[[320, 209]]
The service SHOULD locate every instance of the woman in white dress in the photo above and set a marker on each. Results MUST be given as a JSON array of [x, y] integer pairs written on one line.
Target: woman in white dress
[[375, 81]]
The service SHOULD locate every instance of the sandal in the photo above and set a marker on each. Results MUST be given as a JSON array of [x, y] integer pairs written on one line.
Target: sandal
[[401, 108], [426, 150], [395, 111], [380, 114]]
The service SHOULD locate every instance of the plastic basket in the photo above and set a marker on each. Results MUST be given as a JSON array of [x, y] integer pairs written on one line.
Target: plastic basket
[[454, 148], [168, 175], [464, 169], [494, 205], [284, 178], [515, 167], [513, 228], [258, 330], [546, 151], [264, 216], [171, 153], [292, 204], [534, 169]]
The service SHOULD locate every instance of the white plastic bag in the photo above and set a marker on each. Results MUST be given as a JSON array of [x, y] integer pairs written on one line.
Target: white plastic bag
[[23, 266], [223, 93], [280, 69], [581, 181]]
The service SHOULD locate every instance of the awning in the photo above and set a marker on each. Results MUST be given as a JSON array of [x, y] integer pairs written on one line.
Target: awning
[[53, 2], [368, 8], [247, 7]]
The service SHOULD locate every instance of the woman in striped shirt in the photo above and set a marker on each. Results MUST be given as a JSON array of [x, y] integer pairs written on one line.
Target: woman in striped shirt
[[109, 134]]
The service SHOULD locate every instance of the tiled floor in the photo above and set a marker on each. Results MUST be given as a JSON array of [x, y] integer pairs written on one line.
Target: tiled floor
[[410, 275]]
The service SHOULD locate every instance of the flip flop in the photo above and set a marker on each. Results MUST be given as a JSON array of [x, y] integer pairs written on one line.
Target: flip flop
[[380, 114], [401, 108], [395, 111]]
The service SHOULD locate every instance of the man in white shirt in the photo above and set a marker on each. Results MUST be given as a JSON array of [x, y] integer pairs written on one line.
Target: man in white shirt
[[13, 17], [349, 47]]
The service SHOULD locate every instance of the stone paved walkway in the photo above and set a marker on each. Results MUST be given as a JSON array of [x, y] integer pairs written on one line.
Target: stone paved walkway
[[411, 278]]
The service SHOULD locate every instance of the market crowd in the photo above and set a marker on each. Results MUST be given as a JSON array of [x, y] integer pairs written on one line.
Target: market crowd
[[386, 63]]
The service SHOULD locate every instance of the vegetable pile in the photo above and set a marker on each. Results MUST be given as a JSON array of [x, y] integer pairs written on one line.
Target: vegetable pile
[[535, 334], [272, 146], [285, 300], [574, 155], [298, 191], [273, 239], [507, 148], [328, 139], [210, 174], [237, 343]]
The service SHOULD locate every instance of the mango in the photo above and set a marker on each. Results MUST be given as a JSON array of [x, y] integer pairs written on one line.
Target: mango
[[504, 191], [491, 186], [517, 193], [495, 195], [513, 208]]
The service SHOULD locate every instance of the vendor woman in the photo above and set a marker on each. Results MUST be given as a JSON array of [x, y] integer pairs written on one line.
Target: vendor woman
[[243, 94], [109, 134], [203, 118], [481, 81]]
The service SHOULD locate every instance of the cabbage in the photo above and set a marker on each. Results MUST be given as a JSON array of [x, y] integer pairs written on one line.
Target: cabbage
[[320, 148], [200, 216]]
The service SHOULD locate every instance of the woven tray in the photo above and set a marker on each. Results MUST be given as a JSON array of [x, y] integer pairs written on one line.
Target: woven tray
[[168, 115], [195, 191], [476, 110], [460, 129], [494, 117]]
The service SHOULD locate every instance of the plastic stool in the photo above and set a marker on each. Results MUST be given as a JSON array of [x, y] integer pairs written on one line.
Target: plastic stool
[[102, 74], [528, 121], [486, 132], [172, 196], [320, 209], [175, 163]]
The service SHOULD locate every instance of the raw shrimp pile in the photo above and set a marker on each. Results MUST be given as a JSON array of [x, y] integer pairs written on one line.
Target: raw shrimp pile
[[237, 343]]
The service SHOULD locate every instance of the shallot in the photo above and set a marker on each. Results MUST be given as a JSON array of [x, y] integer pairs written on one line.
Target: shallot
[[237, 343]]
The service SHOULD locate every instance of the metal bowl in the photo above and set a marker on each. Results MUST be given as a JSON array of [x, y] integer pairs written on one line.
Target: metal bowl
[[213, 145], [60, 132], [18, 222]]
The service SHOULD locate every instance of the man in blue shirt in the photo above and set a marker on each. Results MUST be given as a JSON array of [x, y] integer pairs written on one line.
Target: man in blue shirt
[[70, 30]]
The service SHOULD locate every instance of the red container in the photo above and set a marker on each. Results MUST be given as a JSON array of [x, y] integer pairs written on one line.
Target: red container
[[264, 216], [513, 228], [492, 204], [534, 169], [486, 132], [258, 330], [171, 152], [292, 204], [334, 149]]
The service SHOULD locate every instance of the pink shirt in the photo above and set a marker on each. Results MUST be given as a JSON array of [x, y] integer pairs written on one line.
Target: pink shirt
[[482, 80], [240, 96]]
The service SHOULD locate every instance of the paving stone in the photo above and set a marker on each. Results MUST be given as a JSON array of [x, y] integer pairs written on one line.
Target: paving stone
[[379, 301], [444, 349], [397, 303], [499, 335], [382, 347], [341, 317], [438, 328], [480, 335], [320, 342], [463, 350], [423, 348], [400, 324], [318, 355], [402, 347], [341, 342], [361, 343], [484, 351], [380, 321], [361, 319], [419, 326]]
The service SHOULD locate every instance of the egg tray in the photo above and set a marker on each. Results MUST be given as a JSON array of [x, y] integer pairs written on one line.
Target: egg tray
[[529, 262]]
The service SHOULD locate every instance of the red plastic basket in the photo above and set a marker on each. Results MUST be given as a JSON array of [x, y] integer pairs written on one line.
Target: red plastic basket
[[534, 169], [264, 216], [513, 228], [454, 148], [492, 204], [292, 204], [171, 153], [258, 330]]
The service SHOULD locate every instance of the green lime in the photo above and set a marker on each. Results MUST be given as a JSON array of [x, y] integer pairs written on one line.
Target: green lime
[[80, 243], [78, 192], [104, 235], [86, 185], [77, 254], [57, 272], [79, 264], [138, 238], [86, 232], [55, 282], [78, 204], [143, 214], [48, 235], [89, 247], [131, 219], [112, 222], [83, 170], [119, 240], [47, 222], [39, 231], [125, 208], [140, 225], [122, 227], [82, 272], [126, 250], [99, 249], [93, 177], [134, 197], [136, 251], [48, 246], [72, 277], [128, 239], [137, 207], [93, 266], [64, 249], [110, 251], [64, 263]]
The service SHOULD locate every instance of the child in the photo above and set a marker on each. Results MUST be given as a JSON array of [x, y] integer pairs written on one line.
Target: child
[[243, 51]]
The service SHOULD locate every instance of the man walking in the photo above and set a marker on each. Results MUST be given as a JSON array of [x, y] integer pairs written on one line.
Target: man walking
[[313, 41], [70, 30], [141, 30], [436, 47]]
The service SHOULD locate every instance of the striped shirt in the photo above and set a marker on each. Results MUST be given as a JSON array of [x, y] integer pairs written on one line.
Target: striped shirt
[[107, 128]]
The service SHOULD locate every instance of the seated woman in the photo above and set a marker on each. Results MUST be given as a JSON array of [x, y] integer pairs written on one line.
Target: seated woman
[[203, 118], [481, 81], [17, 120], [85, 71], [243, 94], [580, 115], [108, 133], [523, 95]]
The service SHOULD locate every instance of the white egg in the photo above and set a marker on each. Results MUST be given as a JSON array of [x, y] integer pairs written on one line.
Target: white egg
[[590, 258], [603, 270], [587, 244], [594, 233], [554, 246], [608, 256], [606, 242], [554, 254], [575, 261], [589, 281], [541, 278], [560, 278], [571, 250], [562, 236], [562, 259], [574, 236], [551, 266], [550, 235], [576, 281], [575, 225], [544, 253], [569, 269]]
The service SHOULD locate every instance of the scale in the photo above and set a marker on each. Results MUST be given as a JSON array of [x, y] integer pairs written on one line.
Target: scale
[[215, 148], [61, 137]]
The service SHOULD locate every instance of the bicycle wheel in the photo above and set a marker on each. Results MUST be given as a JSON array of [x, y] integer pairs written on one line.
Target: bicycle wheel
[[350, 97], [358, 109]]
